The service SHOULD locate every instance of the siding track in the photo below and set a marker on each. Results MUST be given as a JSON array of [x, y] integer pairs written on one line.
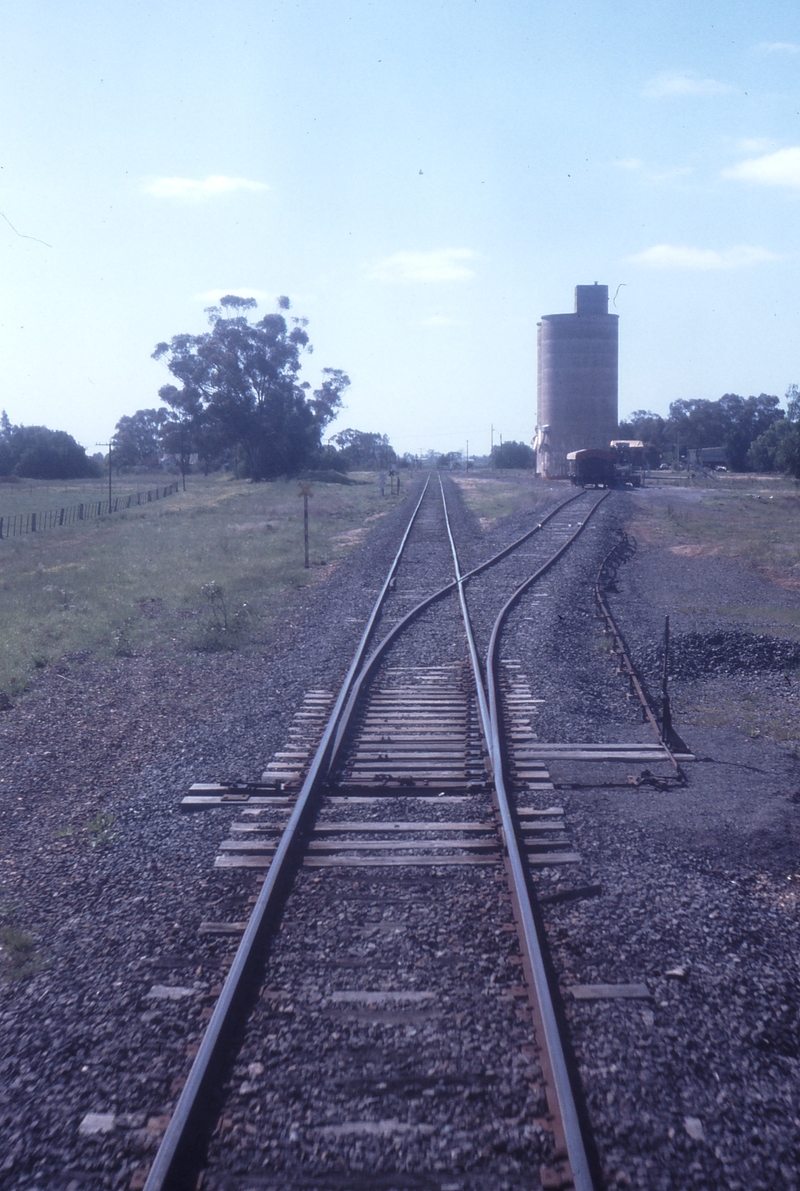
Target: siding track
[[392, 1045]]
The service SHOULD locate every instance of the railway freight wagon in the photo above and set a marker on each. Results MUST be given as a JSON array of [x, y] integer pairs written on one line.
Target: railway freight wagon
[[619, 467], [591, 468]]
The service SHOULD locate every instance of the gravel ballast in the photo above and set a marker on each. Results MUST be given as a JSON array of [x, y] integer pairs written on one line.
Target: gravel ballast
[[104, 882]]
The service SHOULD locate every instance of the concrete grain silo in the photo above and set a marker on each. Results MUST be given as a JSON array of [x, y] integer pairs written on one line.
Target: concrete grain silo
[[577, 380]]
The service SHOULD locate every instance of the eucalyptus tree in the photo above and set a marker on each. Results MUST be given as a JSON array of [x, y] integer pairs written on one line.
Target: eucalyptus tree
[[240, 383], [138, 439]]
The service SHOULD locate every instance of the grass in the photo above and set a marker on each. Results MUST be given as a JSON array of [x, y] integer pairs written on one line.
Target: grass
[[770, 714], [100, 829], [141, 579], [18, 954], [758, 525], [492, 495], [39, 496]]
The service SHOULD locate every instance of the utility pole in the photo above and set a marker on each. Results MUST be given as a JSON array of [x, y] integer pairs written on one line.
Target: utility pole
[[305, 492], [491, 448], [467, 467], [107, 444], [183, 454], [666, 712]]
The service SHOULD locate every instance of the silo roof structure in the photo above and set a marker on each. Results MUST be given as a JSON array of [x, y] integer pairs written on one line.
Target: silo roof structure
[[577, 380]]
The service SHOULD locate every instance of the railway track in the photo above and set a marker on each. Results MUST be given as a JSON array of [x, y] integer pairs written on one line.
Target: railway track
[[391, 1017]]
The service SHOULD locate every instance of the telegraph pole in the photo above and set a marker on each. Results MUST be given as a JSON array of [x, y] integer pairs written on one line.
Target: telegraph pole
[[305, 492], [107, 444]]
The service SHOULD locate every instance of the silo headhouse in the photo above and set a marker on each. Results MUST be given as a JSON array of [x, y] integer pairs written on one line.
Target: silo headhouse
[[577, 380]]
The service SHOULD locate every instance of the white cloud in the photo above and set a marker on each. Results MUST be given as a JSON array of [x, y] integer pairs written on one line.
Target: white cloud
[[442, 264], [212, 296], [754, 144], [675, 256], [439, 320], [773, 169], [194, 188], [779, 47], [682, 84], [628, 163]]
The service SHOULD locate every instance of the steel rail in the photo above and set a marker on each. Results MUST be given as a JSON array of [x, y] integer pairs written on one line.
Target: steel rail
[[173, 1166], [562, 1085], [380, 648], [477, 673], [627, 664]]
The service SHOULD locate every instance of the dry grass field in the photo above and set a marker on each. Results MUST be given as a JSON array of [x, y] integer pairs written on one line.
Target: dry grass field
[[213, 567], [208, 568], [754, 519], [492, 495], [40, 496], [751, 523]]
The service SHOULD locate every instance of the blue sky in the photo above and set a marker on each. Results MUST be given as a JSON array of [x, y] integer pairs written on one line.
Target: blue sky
[[424, 180]]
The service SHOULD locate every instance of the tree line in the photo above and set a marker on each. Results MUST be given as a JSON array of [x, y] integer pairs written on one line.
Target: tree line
[[755, 432], [237, 399], [36, 453], [240, 402]]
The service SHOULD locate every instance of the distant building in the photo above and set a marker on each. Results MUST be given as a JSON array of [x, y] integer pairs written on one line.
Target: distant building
[[707, 456], [170, 462], [577, 380]]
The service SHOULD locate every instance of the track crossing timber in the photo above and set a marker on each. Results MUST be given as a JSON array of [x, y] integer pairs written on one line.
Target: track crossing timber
[[427, 808]]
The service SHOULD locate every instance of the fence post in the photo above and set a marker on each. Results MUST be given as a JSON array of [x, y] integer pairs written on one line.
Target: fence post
[[80, 512], [1, 529]]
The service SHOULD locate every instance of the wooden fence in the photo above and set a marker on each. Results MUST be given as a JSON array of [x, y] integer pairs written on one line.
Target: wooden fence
[[11, 527]]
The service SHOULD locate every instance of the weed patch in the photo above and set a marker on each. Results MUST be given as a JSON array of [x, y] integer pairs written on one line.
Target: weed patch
[[100, 830], [222, 629], [18, 954]]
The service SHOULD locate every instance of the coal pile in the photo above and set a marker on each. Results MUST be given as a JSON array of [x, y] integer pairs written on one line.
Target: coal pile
[[696, 655]]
